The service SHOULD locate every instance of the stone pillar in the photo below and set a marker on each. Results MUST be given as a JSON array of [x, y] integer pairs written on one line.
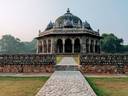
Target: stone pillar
[[83, 45], [47, 45], [42, 47], [63, 45], [51, 45], [54, 41]]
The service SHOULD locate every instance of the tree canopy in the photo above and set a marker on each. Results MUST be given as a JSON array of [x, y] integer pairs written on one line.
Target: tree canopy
[[12, 45], [112, 44]]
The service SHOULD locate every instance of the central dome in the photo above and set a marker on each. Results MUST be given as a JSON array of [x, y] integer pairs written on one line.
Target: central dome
[[68, 20]]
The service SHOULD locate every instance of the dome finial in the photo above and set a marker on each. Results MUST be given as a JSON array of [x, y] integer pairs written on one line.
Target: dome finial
[[68, 11]]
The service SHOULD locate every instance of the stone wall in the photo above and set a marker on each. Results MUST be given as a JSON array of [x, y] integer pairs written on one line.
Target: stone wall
[[30, 68], [44, 63], [27, 63], [102, 69], [104, 63]]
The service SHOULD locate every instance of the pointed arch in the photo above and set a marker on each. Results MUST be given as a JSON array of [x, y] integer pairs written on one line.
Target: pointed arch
[[68, 46], [77, 46], [59, 46], [87, 45]]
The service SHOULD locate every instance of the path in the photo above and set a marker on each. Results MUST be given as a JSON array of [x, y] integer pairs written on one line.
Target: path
[[66, 83], [67, 61]]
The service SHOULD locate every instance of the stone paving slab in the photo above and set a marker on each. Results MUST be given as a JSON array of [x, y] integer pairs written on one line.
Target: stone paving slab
[[67, 61], [66, 83]]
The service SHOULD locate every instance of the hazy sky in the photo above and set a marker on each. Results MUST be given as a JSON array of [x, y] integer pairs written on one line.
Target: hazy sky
[[23, 18]]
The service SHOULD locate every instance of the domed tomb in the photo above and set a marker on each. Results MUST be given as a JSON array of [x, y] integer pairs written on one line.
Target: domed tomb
[[68, 34]]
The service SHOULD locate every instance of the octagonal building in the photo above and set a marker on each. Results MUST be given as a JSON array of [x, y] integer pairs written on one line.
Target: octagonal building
[[68, 34]]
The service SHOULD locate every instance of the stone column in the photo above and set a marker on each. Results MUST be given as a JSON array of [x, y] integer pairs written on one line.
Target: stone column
[[42, 47], [47, 45], [63, 45], [51, 44], [54, 45], [83, 45], [94, 43]]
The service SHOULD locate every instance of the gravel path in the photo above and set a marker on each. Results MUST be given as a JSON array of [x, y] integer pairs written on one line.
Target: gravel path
[[66, 83]]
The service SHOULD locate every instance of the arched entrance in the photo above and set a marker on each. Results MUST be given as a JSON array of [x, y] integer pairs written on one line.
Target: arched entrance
[[45, 46], [59, 46], [77, 46], [87, 46], [91, 46], [49, 46], [68, 46]]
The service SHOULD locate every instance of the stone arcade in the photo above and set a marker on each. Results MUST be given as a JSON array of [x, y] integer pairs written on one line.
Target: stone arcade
[[68, 35]]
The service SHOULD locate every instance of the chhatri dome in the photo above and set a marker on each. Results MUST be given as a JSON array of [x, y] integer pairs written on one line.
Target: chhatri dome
[[68, 34], [68, 20]]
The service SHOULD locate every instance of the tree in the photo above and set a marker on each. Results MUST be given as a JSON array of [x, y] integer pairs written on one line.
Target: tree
[[125, 48], [9, 44], [30, 47], [111, 44], [12, 45]]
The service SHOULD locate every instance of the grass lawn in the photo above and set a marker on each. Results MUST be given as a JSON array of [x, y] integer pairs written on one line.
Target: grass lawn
[[21, 86], [109, 86]]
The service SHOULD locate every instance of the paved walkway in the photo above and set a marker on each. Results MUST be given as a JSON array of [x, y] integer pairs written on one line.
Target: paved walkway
[[66, 83], [67, 61]]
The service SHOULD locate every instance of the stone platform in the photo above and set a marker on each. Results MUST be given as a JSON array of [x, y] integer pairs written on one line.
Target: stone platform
[[66, 83]]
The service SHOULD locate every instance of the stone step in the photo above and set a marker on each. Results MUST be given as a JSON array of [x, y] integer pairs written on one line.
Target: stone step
[[67, 67]]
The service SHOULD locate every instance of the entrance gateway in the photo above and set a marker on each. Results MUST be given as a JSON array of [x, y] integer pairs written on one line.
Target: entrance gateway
[[68, 34]]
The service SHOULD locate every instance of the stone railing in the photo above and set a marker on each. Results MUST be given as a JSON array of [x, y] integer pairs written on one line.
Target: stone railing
[[95, 59], [18, 59]]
